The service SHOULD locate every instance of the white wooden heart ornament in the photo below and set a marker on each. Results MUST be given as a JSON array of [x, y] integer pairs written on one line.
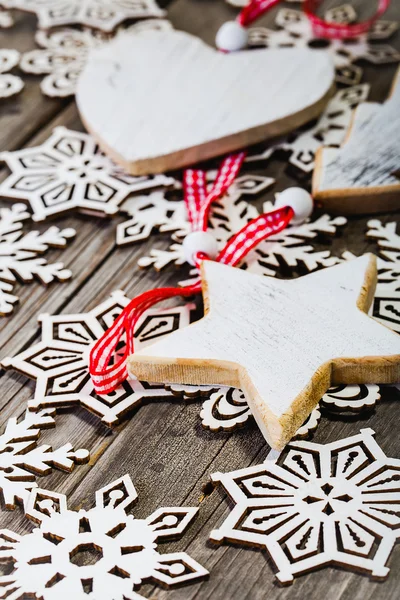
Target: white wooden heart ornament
[[160, 100]]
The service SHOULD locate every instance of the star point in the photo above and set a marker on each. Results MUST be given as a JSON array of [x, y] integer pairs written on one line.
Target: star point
[[282, 342]]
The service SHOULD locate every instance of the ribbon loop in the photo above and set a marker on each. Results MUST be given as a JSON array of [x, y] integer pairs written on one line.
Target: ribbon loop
[[321, 27]]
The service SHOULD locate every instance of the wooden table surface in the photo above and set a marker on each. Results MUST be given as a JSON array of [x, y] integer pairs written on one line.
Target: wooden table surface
[[162, 445]]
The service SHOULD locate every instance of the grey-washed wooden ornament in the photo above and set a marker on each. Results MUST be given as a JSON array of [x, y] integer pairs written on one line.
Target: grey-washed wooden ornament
[[317, 505], [183, 118], [253, 327], [363, 176]]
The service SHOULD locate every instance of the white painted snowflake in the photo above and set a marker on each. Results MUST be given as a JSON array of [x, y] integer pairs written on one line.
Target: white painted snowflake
[[102, 553], [295, 31], [386, 308], [290, 247], [60, 362], [330, 130], [69, 172], [9, 84], [64, 53], [21, 254], [21, 459], [150, 213], [315, 505], [100, 14]]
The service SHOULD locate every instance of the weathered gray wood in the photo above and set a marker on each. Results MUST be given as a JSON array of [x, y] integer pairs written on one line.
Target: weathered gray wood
[[162, 446]]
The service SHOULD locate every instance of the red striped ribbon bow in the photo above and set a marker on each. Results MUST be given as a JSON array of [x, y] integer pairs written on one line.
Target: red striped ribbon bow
[[321, 27], [107, 370]]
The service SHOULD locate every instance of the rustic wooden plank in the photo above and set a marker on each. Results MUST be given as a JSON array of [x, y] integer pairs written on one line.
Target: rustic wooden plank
[[163, 446]]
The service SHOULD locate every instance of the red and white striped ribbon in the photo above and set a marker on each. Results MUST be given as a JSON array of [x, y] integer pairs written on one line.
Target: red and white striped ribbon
[[198, 200], [106, 369], [321, 27]]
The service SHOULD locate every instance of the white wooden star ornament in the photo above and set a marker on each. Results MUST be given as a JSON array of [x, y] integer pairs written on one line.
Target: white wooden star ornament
[[268, 338]]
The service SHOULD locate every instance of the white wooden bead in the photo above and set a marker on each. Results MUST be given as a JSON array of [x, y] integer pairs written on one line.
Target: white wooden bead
[[199, 241], [231, 37], [300, 200]]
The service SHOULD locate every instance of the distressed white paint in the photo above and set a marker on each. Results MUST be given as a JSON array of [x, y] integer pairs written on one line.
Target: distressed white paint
[[359, 176], [315, 505], [282, 342], [187, 102]]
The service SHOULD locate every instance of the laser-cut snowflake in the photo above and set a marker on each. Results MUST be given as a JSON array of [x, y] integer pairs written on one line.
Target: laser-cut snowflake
[[20, 254], [9, 84], [99, 14], [69, 172], [64, 54], [330, 130], [60, 362], [295, 31], [153, 212], [386, 308], [226, 408], [315, 505], [52, 562], [21, 459]]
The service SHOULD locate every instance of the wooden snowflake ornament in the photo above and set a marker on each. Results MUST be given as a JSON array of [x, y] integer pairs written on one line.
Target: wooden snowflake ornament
[[254, 326], [21, 459], [49, 562], [315, 505], [68, 172], [363, 175], [60, 362], [167, 130], [99, 14], [21, 254], [10, 85]]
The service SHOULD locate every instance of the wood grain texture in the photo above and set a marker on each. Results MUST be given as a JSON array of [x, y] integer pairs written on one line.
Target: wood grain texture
[[360, 177], [254, 326], [163, 446], [187, 102]]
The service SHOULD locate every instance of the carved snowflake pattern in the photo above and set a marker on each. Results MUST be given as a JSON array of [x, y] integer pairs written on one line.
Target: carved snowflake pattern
[[20, 254], [102, 553], [386, 306], [100, 14], [295, 31], [153, 212], [9, 84], [59, 363], [330, 130], [226, 408], [64, 53], [315, 505], [21, 459], [69, 172]]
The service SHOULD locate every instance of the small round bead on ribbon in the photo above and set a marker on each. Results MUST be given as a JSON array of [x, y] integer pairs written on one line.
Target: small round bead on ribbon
[[108, 370], [233, 36]]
